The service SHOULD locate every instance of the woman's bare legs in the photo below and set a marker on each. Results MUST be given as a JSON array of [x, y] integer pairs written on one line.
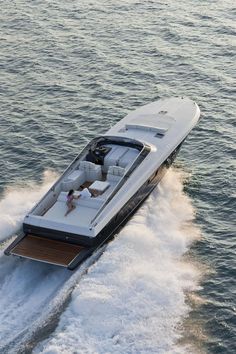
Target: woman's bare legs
[[70, 208]]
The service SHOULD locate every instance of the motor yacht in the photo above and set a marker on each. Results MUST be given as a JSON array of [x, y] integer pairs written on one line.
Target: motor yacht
[[111, 178]]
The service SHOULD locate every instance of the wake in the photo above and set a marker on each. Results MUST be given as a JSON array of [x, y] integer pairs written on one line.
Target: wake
[[132, 300], [31, 293], [17, 201]]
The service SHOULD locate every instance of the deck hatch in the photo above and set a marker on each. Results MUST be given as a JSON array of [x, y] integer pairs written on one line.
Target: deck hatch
[[145, 127]]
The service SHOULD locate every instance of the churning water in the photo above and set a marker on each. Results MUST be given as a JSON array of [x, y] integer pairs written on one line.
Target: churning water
[[70, 70]]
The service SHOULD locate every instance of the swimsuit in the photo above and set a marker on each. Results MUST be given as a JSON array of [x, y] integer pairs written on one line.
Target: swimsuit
[[69, 200]]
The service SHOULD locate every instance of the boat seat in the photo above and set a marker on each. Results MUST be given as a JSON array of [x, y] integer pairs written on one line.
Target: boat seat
[[92, 171], [94, 202], [113, 157], [73, 180], [128, 158], [115, 173]]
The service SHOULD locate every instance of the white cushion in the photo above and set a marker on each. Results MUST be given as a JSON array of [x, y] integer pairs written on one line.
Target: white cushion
[[94, 175], [83, 201], [62, 197], [100, 186], [73, 180], [93, 203], [93, 172], [116, 171], [113, 157], [75, 175], [86, 165], [113, 178], [128, 158], [85, 194]]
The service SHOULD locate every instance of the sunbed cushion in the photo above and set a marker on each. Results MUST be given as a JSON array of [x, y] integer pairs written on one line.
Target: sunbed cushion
[[88, 202], [73, 180], [93, 172], [116, 171], [128, 158]]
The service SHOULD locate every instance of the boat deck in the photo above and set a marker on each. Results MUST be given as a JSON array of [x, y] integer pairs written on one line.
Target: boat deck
[[86, 209], [104, 181]]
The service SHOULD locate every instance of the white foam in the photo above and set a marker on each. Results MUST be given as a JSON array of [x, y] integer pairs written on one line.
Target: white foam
[[133, 299], [17, 201], [25, 291], [30, 294]]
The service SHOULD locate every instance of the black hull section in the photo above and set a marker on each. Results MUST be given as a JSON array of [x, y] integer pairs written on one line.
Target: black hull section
[[116, 222]]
